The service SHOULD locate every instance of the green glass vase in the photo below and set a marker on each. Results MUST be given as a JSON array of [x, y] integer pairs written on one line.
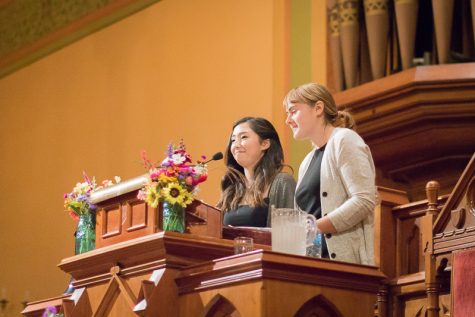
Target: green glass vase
[[173, 217], [86, 232]]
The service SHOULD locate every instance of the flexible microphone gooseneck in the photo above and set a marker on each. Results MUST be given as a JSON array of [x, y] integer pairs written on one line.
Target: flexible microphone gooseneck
[[216, 157]]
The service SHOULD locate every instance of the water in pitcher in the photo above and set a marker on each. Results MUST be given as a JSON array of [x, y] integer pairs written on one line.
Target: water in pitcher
[[289, 232]]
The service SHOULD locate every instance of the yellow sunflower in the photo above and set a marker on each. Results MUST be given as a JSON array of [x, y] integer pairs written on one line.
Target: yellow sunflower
[[187, 198], [165, 179], [152, 196], [175, 194]]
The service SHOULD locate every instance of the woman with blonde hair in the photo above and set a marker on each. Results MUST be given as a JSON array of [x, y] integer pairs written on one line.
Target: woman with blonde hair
[[336, 180]]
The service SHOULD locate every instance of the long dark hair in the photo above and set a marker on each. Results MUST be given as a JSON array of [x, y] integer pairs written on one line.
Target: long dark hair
[[233, 184]]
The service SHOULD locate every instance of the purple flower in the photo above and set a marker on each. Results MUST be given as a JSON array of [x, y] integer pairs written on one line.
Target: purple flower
[[50, 310], [170, 150], [82, 198]]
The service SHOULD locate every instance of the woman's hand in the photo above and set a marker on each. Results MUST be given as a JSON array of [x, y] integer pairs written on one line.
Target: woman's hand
[[325, 225]]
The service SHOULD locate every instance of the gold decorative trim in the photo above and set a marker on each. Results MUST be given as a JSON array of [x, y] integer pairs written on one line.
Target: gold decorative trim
[[375, 7], [333, 21], [348, 12], [33, 29]]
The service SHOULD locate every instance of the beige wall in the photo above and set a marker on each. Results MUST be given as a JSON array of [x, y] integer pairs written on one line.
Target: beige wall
[[178, 69]]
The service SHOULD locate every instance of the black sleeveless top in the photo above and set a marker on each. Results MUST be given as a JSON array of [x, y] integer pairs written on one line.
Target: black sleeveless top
[[307, 195], [248, 216]]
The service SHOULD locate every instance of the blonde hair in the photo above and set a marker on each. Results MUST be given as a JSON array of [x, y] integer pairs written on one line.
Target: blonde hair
[[310, 94]]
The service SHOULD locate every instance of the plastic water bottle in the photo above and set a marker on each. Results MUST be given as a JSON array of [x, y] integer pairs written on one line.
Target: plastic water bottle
[[315, 250]]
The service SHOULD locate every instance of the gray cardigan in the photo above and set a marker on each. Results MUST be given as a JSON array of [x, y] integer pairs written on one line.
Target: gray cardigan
[[347, 195], [281, 193]]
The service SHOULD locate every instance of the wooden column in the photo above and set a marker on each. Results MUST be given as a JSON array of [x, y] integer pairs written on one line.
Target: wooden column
[[432, 289], [385, 229], [383, 301]]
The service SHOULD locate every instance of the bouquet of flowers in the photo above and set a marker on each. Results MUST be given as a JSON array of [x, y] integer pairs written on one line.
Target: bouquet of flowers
[[77, 202], [173, 182]]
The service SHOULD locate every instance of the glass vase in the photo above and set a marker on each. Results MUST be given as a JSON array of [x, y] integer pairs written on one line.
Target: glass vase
[[173, 217], [86, 233]]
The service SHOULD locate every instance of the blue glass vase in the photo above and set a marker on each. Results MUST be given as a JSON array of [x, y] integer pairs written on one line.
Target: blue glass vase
[[173, 217]]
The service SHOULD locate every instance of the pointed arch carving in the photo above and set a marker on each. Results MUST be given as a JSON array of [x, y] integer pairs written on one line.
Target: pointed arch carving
[[318, 306], [220, 306]]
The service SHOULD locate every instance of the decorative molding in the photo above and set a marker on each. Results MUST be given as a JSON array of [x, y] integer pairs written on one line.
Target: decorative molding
[[471, 197], [410, 119], [348, 12], [260, 265], [33, 29], [36, 308], [457, 217], [376, 7], [155, 250], [463, 187], [333, 21], [416, 209], [452, 240]]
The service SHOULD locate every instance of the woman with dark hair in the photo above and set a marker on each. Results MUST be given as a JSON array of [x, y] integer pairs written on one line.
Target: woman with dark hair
[[254, 180], [336, 181]]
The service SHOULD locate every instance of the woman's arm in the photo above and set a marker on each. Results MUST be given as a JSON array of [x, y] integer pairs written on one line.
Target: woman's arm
[[324, 225], [281, 193], [356, 170]]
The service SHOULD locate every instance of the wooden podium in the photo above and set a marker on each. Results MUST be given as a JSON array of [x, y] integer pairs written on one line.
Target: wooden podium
[[139, 270], [173, 274]]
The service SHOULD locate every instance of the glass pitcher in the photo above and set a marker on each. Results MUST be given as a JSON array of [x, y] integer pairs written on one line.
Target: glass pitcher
[[292, 230]]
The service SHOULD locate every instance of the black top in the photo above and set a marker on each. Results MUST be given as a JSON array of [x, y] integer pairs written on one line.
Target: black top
[[247, 216], [307, 195]]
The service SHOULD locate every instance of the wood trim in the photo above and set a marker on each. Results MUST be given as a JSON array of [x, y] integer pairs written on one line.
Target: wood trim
[[450, 241], [170, 248], [36, 308], [405, 285], [396, 85], [455, 197], [415, 209], [261, 264], [410, 121]]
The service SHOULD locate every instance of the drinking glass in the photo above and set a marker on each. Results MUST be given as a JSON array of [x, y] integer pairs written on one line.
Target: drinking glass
[[243, 245]]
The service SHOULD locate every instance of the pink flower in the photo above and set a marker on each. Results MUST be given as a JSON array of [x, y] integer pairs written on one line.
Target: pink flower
[[141, 195], [73, 215]]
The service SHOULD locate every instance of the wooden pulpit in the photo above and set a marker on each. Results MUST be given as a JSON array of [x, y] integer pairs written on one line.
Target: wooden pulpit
[[137, 269], [173, 274]]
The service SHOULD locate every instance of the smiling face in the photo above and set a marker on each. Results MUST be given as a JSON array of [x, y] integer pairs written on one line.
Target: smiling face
[[247, 147], [304, 120]]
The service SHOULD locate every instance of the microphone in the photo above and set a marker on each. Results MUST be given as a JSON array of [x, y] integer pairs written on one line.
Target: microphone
[[216, 157]]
